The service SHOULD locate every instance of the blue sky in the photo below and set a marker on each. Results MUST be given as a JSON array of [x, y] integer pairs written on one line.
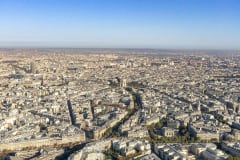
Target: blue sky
[[193, 24]]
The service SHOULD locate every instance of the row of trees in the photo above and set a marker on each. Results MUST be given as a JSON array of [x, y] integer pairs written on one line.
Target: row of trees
[[114, 131]]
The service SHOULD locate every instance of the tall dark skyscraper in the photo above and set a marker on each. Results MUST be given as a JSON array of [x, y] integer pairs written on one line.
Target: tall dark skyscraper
[[33, 68]]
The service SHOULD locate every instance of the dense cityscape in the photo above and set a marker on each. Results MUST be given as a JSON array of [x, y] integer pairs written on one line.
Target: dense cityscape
[[119, 104]]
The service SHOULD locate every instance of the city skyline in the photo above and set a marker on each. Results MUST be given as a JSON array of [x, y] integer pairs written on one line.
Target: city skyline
[[89, 104], [174, 24]]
